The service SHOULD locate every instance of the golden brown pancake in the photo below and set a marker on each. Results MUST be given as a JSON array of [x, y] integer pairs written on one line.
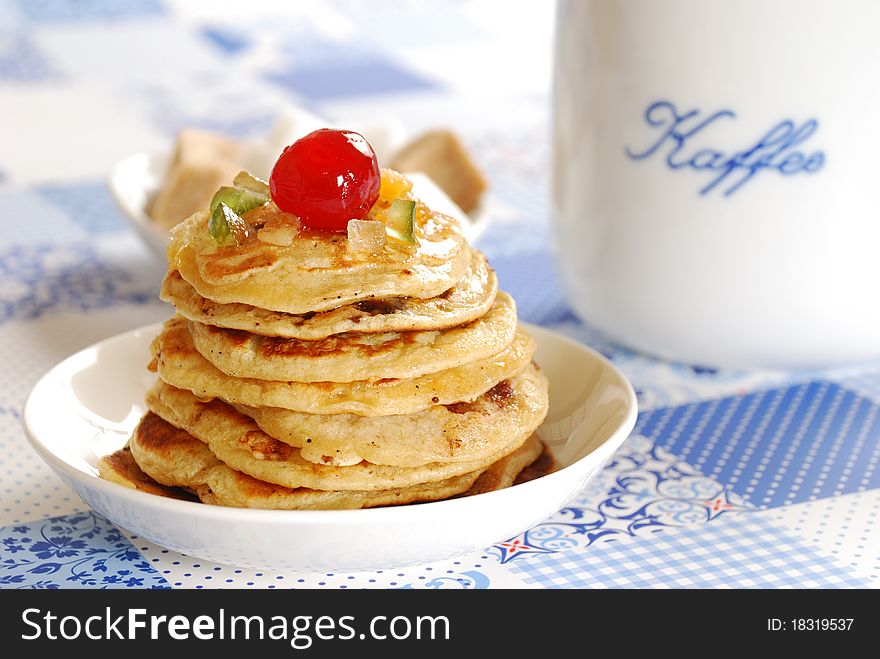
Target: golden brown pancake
[[237, 440], [318, 272], [545, 464], [355, 356], [324, 374], [120, 468], [159, 447], [505, 472], [180, 365], [452, 433], [468, 300]]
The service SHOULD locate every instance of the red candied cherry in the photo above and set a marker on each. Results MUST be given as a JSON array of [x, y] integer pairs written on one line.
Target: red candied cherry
[[326, 179]]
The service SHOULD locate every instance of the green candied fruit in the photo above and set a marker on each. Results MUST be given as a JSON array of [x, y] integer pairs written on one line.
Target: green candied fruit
[[400, 220], [248, 181], [226, 227], [238, 199]]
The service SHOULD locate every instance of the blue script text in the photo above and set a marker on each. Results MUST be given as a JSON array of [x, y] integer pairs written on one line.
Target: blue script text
[[774, 151]]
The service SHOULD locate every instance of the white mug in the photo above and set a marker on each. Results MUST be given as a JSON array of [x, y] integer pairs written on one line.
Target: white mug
[[716, 175]]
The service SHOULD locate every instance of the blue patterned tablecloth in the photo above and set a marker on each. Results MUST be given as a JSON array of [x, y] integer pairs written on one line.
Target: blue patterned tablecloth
[[731, 479]]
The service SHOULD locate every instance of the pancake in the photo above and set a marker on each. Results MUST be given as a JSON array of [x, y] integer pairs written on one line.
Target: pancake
[[237, 441], [159, 446], [468, 300], [544, 464], [354, 356], [318, 272], [333, 374], [121, 468], [180, 365], [443, 434], [506, 472], [174, 458]]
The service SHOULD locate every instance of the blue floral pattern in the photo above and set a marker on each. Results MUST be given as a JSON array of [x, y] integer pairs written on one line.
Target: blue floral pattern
[[72, 551], [467, 580], [38, 279], [643, 490]]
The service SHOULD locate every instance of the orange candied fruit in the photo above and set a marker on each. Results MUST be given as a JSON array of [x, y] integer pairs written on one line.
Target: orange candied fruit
[[393, 185]]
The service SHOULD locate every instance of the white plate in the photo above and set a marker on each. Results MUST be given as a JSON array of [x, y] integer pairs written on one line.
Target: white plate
[[88, 405], [136, 178]]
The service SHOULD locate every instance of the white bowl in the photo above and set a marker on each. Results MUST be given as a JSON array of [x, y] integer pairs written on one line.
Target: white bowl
[[136, 178], [88, 405]]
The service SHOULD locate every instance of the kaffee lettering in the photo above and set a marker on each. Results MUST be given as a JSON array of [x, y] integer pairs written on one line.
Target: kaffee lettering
[[683, 133]]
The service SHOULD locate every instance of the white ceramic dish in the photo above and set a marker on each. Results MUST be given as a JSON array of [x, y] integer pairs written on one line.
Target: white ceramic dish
[[136, 178], [88, 405]]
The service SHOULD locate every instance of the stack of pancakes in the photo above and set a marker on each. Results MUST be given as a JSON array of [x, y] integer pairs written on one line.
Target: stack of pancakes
[[313, 377]]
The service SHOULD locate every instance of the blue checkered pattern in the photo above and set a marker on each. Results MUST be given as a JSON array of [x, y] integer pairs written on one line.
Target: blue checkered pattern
[[65, 11], [88, 203], [542, 304], [228, 40], [369, 74], [751, 553], [53, 222]]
